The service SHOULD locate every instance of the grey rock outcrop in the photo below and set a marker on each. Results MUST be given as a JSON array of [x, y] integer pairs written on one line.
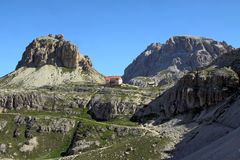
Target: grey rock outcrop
[[107, 110], [18, 100], [123, 131], [184, 53], [61, 125], [165, 78], [30, 145], [16, 133], [3, 124], [53, 50], [79, 142], [58, 125], [29, 121], [28, 134], [105, 107], [193, 93], [82, 145], [3, 148]]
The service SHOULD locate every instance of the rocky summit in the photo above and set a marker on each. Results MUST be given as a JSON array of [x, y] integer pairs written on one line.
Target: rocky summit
[[53, 50], [162, 64], [51, 60]]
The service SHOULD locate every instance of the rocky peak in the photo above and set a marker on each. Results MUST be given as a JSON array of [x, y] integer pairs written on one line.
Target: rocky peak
[[186, 53], [53, 50], [51, 60], [193, 43], [154, 46]]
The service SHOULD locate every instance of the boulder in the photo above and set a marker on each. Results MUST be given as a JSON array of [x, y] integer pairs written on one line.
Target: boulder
[[3, 148], [16, 133], [28, 134], [30, 145], [3, 124]]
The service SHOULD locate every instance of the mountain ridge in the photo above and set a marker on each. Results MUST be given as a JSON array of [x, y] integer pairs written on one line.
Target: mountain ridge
[[185, 53]]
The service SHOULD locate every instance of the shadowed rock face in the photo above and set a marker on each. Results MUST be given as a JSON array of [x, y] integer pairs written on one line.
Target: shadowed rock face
[[193, 93], [53, 50], [184, 53]]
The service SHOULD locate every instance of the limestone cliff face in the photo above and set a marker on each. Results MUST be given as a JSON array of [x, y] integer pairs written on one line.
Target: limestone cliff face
[[193, 93], [53, 50], [22, 100], [183, 53], [111, 103], [105, 110]]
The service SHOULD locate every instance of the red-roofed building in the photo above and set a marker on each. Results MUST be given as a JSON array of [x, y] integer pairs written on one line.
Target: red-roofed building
[[114, 80]]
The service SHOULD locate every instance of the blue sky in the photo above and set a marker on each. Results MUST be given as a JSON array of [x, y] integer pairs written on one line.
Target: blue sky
[[113, 32]]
